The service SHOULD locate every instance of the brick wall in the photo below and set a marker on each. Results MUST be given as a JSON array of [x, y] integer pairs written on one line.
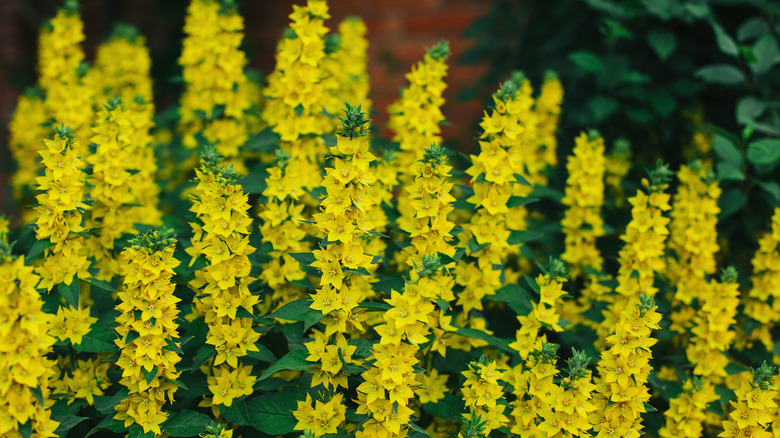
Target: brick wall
[[398, 32]]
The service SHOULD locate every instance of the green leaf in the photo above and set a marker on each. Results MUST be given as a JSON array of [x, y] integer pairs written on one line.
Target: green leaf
[[170, 345], [587, 61], [764, 151], [253, 183], [293, 311], [379, 307], [512, 293], [137, 432], [263, 141], [364, 347], [734, 368], [262, 354], [772, 188], [521, 236], [100, 338], [108, 423], [312, 319], [520, 179], [502, 344], [663, 42], [725, 149], [67, 423], [749, 109], [294, 360], [727, 171], [359, 271], [105, 404], [731, 202], [38, 248], [725, 74], [305, 259], [186, 423], [70, 293], [272, 413], [635, 77], [449, 408], [663, 102], [204, 353], [419, 431], [236, 412], [149, 375], [752, 28], [348, 368], [767, 54], [601, 107], [100, 284], [25, 430], [519, 201], [38, 393], [474, 247], [726, 44], [389, 283]]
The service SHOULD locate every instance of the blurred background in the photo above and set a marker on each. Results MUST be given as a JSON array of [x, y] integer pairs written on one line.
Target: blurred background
[[653, 71], [398, 32]]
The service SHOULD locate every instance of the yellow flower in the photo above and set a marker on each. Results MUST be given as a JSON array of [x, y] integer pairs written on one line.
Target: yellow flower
[[148, 368], [72, 324]]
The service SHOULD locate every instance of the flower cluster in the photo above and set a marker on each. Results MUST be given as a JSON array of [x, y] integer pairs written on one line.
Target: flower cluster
[[624, 369], [430, 229], [281, 228], [548, 105], [62, 75], [753, 408], [122, 66], [147, 330], [342, 222], [493, 180], [617, 167], [544, 314], [71, 324], [320, 418], [216, 94], [430, 202], [693, 237], [121, 185], [222, 236], [687, 411], [296, 89], [711, 333], [642, 256], [60, 211], [352, 64], [26, 129], [84, 380], [26, 341], [766, 276], [483, 394], [582, 223], [547, 405], [387, 390], [391, 381], [416, 117]]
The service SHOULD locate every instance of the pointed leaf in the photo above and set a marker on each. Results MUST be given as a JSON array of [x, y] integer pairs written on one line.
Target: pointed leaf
[[294, 360]]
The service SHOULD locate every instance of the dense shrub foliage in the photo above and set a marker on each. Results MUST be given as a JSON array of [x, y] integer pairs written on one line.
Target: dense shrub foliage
[[263, 264]]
